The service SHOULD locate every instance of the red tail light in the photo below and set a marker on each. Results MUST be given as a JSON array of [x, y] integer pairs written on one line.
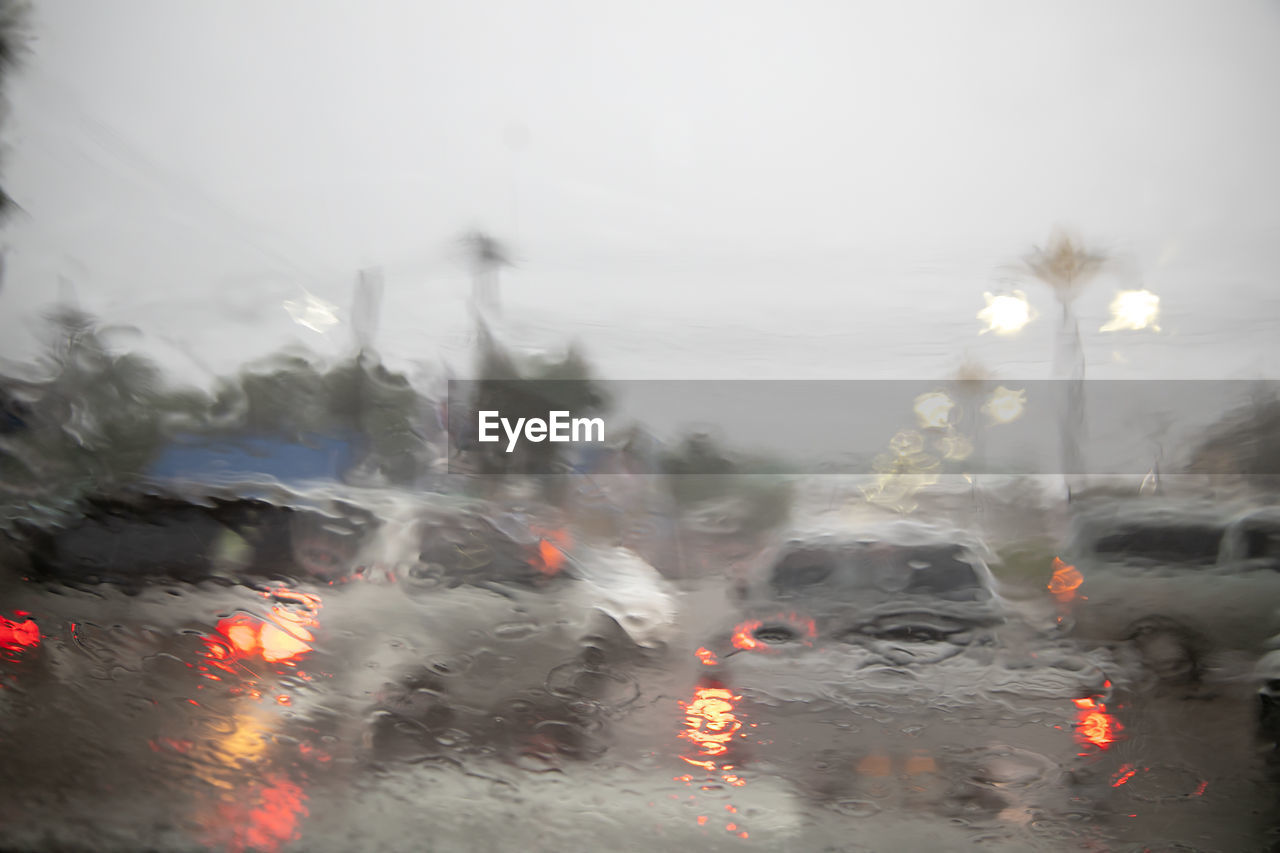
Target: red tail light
[[19, 633]]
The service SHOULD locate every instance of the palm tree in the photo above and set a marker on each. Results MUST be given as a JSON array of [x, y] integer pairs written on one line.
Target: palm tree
[[488, 256], [101, 405], [1066, 266]]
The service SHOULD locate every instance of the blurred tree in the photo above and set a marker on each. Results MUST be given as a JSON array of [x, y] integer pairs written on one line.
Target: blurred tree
[[385, 412], [15, 16], [530, 389], [1244, 445], [96, 416], [283, 395], [14, 35], [292, 397], [749, 494]]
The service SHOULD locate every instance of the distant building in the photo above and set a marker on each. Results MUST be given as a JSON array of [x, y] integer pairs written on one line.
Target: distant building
[[206, 459]]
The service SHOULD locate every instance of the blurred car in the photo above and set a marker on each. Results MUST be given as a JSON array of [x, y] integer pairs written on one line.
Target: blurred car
[[880, 663], [506, 635], [1191, 585], [332, 601], [131, 539]]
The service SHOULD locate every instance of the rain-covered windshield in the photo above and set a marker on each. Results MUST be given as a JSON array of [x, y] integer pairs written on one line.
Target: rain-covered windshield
[[639, 426]]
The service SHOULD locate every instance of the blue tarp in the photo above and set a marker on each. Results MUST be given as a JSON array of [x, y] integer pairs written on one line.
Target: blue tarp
[[252, 457]]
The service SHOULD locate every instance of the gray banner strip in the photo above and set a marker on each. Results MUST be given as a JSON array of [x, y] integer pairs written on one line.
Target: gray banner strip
[[1010, 427]]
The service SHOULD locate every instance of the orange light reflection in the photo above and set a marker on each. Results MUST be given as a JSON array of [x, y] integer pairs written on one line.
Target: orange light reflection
[[1094, 726], [1065, 581], [552, 545], [709, 720], [711, 723], [284, 637], [265, 822], [1125, 773], [744, 634]]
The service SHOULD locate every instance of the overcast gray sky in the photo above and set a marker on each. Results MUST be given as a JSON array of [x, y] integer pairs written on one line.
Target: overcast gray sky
[[715, 183]]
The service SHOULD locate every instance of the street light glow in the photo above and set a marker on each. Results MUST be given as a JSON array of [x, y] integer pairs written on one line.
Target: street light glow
[[1005, 406], [1006, 313], [933, 410], [1134, 310], [313, 313]]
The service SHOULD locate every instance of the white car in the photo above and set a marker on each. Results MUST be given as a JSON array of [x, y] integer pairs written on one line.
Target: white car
[[880, 662]]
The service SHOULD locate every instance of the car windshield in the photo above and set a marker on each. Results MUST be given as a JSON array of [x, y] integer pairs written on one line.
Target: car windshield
[[1183, 545], [638, 426], [916, 569]]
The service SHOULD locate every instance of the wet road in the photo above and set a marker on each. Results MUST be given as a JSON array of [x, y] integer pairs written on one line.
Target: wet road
[[373, 716], [154, 757]]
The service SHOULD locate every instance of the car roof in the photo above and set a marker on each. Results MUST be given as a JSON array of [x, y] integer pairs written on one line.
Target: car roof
[[324, 496], [895, 531], [1100, 518], [1267, 515], [1150, 511], [846, 530]]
